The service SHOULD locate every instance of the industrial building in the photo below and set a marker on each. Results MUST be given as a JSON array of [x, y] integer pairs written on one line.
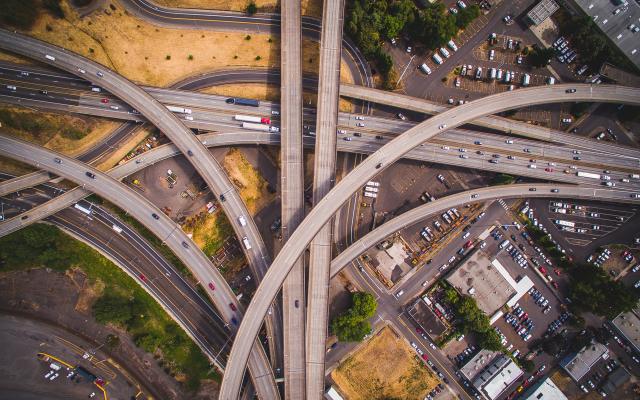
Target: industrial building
[[546, 389], [628, 326], [542, 11]]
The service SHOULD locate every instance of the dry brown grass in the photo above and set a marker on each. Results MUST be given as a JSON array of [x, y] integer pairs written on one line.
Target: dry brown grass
[[124, 149], [385, 367], [12, 58], [248, 181], [309, 7], [16, 168], [53, 130], [139, 50]]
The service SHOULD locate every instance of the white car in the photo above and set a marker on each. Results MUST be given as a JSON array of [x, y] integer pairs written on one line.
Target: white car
[[359, 118], [442, 126]]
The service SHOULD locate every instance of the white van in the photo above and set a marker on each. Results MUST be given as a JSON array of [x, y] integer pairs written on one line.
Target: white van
[[436, 58], [96, 89], [526, 79], [48, 57], [504, 244], [452, 45], [243, 222], [400, 293], [445, 52], [425, 68], [246, 243], [551, 80]]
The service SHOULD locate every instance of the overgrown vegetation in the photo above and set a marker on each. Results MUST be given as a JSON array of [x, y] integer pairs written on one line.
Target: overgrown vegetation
[[578, 109], [592, 290], [352, 325], [43, 128], [502, 179], [369, 22], [590, 287], [540, 57], [469, 318], [593, 47], [251, 7], [123, 302], [23, 13]]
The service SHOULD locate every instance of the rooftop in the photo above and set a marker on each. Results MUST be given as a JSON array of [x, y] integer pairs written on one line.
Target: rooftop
[[544, 390], [577, 365], [478, 275], [477, 363], [497, 377], [423, 315], [542, 11], [628, 324]]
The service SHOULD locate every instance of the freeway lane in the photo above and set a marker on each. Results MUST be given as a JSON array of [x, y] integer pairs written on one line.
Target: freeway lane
[[292, 192], [424, 211], [197, 154], [427, 153], [324, 174], [136, 257], [381, 159], [212, 113], [158, 223]]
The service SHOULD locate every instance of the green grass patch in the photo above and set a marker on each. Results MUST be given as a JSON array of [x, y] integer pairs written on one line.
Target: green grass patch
[[123, 302]]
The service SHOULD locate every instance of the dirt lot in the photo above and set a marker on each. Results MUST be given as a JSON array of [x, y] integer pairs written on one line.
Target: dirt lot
[[309, 7], [252, 186], [155, 55], [68, 134], [395, 373]]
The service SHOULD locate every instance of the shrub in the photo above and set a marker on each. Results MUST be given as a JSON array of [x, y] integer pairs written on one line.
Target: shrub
[[251, 7]]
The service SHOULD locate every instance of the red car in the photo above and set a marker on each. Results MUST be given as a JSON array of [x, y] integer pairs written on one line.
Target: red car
[[212, 286], [105, 101], [554, 284], [468, 244], [233, 306], [549, 169], [557, 271], [543, 270], [142, 277], [419, 330], [424, 357]]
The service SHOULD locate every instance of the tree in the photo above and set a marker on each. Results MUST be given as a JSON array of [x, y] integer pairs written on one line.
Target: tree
[[490, 340], [466, 15], [540, 57], [251, 8], [113, 308], [352, 325]]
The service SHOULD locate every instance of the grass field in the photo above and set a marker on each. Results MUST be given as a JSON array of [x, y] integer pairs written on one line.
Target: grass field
[[156, 55], [209, 230], [309, 7], [65, 133], [248, 181], [385, 367]]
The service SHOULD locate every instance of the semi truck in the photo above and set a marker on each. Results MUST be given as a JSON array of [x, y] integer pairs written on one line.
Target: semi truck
[[243, 102], [180, 110], [588, 175], [260, 127], [85, 210], [251, 118], [565, 223]]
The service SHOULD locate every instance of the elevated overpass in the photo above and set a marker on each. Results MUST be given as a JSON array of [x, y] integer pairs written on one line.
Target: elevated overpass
[[197, 154], [370, 167]]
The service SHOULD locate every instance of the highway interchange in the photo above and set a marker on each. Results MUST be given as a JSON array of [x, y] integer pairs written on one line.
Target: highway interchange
[[384, 152]]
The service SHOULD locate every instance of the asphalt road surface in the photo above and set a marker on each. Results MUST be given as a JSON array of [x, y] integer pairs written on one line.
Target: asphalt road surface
[[389, 153]]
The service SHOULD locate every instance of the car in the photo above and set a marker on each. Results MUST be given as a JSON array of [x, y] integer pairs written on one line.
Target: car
[[555, 190], [442, 126], [44, 92], [57, 160], [474, 196], [90, 175], [359, 118], [185, 245], [275, 112], [296, 303], [549, 169], [409, 49], [566, 120], [401, 116], [100, 74], [142, 277], [233, 307], [212, 286], [105, 101], [360, 125], [532, 189], [570, 91], [155, 216]]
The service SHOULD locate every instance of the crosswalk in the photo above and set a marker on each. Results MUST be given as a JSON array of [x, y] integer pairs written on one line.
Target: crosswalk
[[504, 205]]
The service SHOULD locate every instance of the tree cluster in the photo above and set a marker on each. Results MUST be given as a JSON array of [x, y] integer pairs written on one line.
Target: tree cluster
[[353, 324], [469, 318], [539, 57], [23, 13], [370, 22], [592, 45], [592, 290]]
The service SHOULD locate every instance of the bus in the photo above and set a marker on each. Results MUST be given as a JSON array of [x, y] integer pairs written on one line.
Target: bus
[[87, 211]]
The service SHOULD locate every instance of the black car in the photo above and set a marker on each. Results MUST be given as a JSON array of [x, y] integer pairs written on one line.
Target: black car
[[155, 216], [185, 245], [532, 189], [90, 175], [222, 197], [570, 91], [189, 152], [379, 165], [297, 303], [358, 134], [379, 137]]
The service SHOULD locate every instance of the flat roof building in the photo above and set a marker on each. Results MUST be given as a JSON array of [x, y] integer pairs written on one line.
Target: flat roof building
[[542, 11], [491, 373], [425, 317], [544, 390], [390, 262], [577, 365], [628, 325], [489, 283]]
